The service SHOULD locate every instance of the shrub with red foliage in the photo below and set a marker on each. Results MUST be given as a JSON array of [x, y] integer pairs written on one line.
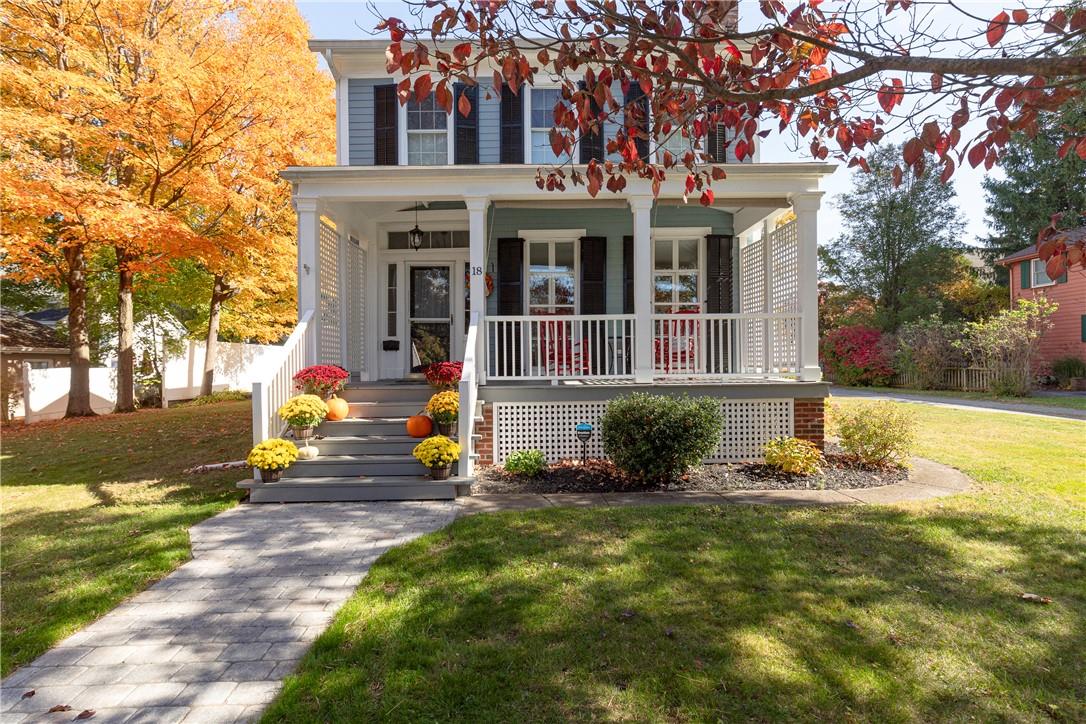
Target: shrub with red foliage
[[444, 375], [321, 379], [856, 355]]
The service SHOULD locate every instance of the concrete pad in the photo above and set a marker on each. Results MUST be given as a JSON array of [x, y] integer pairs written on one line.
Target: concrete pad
[[787, 497], [576, 500], [469, 505]]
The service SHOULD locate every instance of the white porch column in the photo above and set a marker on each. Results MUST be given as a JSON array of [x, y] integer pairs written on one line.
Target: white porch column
[[477, 232], [309, 269], [642, 283], [806, 208]]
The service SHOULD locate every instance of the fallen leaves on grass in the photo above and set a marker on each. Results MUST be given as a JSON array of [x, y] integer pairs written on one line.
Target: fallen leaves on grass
[[1034, 598]]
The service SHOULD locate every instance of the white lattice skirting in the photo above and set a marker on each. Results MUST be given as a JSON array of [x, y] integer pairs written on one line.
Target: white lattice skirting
[[548, 426]]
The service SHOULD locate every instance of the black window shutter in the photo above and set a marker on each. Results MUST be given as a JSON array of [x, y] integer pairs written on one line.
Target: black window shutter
[[636, 97], [511, 276], [593, 275], [466, 128], [385, 134], [512, 126], [592, 140], [1026, 269], [718, 274], [716, 143], [627, 275]]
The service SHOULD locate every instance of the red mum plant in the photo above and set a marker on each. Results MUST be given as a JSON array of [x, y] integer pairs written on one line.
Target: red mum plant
[[321, 380], [444, 375]]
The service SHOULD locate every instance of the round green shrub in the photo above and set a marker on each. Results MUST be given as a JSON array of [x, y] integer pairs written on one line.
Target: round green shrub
[[657, 437], [528, 463]]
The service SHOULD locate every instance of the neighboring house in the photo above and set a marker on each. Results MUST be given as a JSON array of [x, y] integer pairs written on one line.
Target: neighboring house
[[1067, 337], [572, 301], [22, 341]]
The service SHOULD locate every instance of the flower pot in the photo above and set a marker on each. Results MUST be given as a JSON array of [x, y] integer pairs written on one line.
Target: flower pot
[[302, 433], [440, 473], [270, 476], [446, 428]]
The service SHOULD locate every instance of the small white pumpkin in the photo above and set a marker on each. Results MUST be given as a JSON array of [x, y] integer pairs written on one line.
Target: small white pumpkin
[[309, 452]]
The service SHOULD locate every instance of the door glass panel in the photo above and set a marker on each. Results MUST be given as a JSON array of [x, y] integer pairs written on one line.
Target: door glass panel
[[430, 292], [429, 343], [688, 253]]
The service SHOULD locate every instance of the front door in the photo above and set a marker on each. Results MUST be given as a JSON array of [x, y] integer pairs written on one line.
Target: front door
[[430, 314]]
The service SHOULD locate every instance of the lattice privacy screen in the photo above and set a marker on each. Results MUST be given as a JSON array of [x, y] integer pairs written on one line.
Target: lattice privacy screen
[[781, 297], [548, 426], [356, 306], [752, 301], [330, 343]]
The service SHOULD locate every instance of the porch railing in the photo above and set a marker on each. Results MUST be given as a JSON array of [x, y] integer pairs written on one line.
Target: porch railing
[[553, 347], [469, 397], [270, 393], [725, 345]]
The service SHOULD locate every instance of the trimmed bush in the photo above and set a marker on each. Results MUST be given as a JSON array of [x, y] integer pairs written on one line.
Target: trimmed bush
[[881, 433], [527, 463], [792, 455], [1066, 368], [856, 356], [657, 437]]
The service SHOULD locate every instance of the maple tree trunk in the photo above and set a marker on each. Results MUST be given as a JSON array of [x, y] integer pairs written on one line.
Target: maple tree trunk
[[126, 353], [79, 402], [219, 294]]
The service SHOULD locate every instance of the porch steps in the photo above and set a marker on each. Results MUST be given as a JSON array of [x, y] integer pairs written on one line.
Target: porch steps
[[365, 457]]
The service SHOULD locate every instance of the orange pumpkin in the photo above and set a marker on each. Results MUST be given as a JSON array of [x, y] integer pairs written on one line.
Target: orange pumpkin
[[419, 426], [338, 409]]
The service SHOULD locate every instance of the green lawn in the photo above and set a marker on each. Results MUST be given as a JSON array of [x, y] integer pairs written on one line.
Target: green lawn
[[1072, 403], [95, 510], [737, 613]]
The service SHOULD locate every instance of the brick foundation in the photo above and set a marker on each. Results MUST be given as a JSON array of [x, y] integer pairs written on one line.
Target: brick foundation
[[810, 420], [484, 445]]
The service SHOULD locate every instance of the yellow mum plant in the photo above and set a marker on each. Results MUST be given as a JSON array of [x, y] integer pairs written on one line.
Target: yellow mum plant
[[303, 411], [273, 454], [444, 407], [437, 452]]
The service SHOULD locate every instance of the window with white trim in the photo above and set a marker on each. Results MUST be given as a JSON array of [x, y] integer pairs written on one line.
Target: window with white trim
[[676, 275], [39, 364], [1039, 275], [552, 276], [541, 113], [427, 133]]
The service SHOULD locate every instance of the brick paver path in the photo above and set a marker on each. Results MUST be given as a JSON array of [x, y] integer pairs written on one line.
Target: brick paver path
[[212, 641]]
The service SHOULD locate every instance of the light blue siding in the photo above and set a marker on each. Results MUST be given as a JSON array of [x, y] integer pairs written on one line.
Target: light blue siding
[[489, 125], [614, 223], [360, 120]]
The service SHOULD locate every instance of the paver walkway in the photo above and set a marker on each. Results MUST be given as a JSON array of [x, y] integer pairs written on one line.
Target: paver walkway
[[1016, 408], [212, 641]]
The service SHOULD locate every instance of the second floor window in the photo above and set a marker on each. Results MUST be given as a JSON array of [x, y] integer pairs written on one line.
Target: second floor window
[[543, 101], [427, 134]]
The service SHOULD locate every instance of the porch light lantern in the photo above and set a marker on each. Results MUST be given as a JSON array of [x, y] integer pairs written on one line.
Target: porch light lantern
[[414, 237], [584, 433]]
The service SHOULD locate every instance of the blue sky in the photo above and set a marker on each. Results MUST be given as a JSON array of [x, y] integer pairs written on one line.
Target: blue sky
[[352, 19]]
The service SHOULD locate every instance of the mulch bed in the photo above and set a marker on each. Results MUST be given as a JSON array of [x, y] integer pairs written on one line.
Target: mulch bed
[[839, 471]]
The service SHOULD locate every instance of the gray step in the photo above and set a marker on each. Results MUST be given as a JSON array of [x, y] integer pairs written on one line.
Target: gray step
[[387, 393], [333, 466], [364, 427], [371, 445], [368, 410], [343, 489]]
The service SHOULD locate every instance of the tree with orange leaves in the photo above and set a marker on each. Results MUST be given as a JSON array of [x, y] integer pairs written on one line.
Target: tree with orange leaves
[[123, 118]]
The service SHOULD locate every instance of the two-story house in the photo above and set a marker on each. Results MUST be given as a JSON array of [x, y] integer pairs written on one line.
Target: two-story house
[[430, 241]]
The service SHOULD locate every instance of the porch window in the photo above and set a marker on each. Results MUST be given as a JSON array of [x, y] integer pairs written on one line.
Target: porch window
[[676, 276], [1039, 275], [552, 277], [427, 133], [542, 102]]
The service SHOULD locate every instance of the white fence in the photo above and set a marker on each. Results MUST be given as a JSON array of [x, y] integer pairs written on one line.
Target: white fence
[[276, 386], [45, 392]]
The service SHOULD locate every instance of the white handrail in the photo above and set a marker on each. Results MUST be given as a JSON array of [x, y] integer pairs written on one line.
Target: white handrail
[[270, 393], [469, 397]]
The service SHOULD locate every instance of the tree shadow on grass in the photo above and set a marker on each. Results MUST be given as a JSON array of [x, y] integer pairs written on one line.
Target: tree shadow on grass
[[707, 613]]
